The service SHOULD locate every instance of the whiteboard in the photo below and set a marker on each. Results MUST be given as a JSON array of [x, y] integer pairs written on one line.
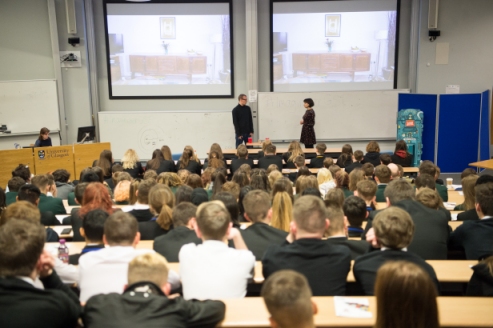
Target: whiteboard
[[341, 115], [27, 106], [146, 131]]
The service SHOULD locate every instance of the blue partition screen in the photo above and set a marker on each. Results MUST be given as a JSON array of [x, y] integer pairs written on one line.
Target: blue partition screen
[[427, 104], [458, 131], [484, 130]]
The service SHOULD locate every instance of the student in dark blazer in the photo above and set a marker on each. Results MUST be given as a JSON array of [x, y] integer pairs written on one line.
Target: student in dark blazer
[[52, 204], [476, 237], [131, 164], [318, 161], [357, 159], [31, 194], [324, 265], [338, 233], [14, 185], [469, 215], [140, 210], [92, 230], [392, 231], [260, 234], [299, 162], [372, 153], [22, 304], [169, 245], [242, 153], [382, 177], [270, 158], [160, 202], [431, 230], [481, 283], [427, 167], [356, 212], [401, 156], [189, 161]]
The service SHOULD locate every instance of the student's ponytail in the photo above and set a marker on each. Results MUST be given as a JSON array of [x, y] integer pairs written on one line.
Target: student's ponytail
[[164, 220]]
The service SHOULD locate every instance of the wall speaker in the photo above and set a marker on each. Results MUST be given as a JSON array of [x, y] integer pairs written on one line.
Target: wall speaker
[[433, 14], [70, 10]]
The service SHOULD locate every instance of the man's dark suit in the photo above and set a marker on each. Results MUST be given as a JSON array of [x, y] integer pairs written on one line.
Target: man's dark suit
[[366, 266], [431, 230], [352, 166], [166, 166], [170, 244], [264, 162], [143, 215], [23, 305], [357, 247], [474, 237], [317, 162], [259, 236], [237, 162], [469, 215], [145, 305], [51, 204], [149, 230], [442, 191], [324, 265]]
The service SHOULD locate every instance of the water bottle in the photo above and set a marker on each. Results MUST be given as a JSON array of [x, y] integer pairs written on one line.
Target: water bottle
[[63, 251]]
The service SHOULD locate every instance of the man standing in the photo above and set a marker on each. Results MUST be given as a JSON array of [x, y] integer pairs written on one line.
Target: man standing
[[242, 120]]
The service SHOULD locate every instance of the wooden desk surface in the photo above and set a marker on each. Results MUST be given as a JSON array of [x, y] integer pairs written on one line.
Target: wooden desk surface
[[410, 169], [282, 151], [488, 164], [454, 312]]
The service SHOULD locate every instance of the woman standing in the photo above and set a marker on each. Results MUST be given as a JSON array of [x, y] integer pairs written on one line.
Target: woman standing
[[308, 122]]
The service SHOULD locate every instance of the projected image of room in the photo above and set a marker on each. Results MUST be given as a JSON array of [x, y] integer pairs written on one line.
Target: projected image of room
[[333, 45], [169, 49]]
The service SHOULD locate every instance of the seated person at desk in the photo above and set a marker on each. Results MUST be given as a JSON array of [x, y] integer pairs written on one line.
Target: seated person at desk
[[105, 271], [401, 156], [392, 231], [32, 194], [468, 183], [355, 211], [183, 232], [14, 185], [265, 143], [22, 304], [357, 159], [382, 177], [481, 283], [287, 297], [475, 237], [44, 139], [372, 153], [346, 156], [242, 153], [337, 233], [140, 210], [62, 183], [406, 297], [471, 214], [214, 270], [269, 158], [324, 265], [318, 162], [367, 190], [46, 203], [189, 161], [260, 234], [145, 302], [427, 167], [92, 230], [79, 194], [105, 162], [431, 226], [161, 203], [385, 159], [294, 150], [299, 162]]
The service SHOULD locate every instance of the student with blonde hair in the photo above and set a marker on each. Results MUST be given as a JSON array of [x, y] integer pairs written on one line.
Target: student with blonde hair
[[294, 150], [145, 301], [406, 297], [468, 184], [274, 176], [325, 181], [287, 297], [265, 144], [121, 194], [304, 182], [170, 179], [282, 210], [131, 164]]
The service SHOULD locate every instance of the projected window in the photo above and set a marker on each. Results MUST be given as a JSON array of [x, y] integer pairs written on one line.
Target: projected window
[[333, 45], [158, 50]]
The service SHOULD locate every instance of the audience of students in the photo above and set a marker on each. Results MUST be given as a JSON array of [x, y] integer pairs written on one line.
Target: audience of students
[[105, 162], [372, 153], [92, 231], [346, 157], [161, 202], [427, 167], [318, 161], [357, 159], [47, 203], [269, 158], [189, 161], [131, 164], [401, 156], [13, 185], [468, 184], [355, 211], [367, 190], [294, 150], [355, 176], [32, 194], [325, 181], [342, 182], [481, 283], [382, 178], [242, 153], [62, 183]]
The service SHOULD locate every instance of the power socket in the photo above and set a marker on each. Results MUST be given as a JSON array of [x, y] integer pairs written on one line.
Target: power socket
[[70, 59]]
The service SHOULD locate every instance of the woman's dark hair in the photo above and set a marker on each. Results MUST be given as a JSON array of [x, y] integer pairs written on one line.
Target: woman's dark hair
[[309, 101], [42, 132], [401, 145], [61, 175], [311, 191], [105, 161], [304, 170], [259, 180], [218, 178], [183, 194], [166, 151], [99, 172], [243, 191], [346, 154], [214, 160], [241, 178], [157, 158], [186, 156], [231, 205]]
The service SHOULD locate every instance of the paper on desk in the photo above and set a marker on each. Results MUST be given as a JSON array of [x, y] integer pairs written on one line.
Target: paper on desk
[[352, 307], [449, 205], [454, 216]]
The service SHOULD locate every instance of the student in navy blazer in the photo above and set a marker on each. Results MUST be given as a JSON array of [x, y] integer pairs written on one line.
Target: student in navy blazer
[[269, 158]]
